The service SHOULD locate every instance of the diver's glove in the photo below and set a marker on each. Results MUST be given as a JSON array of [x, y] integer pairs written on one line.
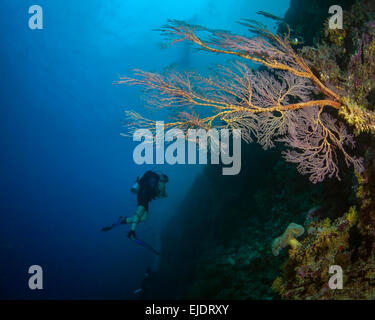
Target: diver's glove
[[131, 235]]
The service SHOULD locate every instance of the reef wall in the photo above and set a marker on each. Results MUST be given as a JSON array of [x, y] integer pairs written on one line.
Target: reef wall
[[218, 244]]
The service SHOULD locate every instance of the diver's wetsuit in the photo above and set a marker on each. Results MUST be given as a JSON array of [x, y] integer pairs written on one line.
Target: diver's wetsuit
[[148, 191], [148, 188]]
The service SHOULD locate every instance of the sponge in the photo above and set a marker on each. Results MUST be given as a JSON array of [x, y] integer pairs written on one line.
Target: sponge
[[289, 236]]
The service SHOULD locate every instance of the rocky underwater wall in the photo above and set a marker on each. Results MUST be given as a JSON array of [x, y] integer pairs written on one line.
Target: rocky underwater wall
[[220, 244]]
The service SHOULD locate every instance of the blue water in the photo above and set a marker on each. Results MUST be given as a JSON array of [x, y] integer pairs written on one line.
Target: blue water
[[65, 171]]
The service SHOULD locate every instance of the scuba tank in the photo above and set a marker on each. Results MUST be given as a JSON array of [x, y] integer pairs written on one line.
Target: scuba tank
[[150, 179]]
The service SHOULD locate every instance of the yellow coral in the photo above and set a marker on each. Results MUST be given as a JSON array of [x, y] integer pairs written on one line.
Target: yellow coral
[[363, 120], [277, 285], [360, 189], [293, 243], [337, 36], [360, 178], [326, 223], [351, 216]]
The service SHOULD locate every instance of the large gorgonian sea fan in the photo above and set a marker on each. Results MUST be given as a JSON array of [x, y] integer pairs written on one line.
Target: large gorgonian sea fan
[[314, 138], [271, 105]]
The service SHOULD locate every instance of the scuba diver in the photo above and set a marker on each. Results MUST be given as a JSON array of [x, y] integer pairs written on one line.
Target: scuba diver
[[149, 187], [144, 291]]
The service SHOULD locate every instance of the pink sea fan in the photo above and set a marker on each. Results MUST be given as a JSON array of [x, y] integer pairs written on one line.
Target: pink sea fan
[[314, 138], [274, 105]]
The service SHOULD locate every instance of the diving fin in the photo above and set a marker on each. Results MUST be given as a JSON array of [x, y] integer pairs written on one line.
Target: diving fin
[[120, 220], [107, 228], [146, 245]]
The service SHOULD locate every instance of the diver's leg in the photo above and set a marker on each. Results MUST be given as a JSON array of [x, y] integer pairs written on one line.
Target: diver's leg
[[144, 216], [136, 218], [140, 216]]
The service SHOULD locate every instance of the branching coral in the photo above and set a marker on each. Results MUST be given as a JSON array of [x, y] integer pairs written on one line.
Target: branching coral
[[312, 134], [273, 105]]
